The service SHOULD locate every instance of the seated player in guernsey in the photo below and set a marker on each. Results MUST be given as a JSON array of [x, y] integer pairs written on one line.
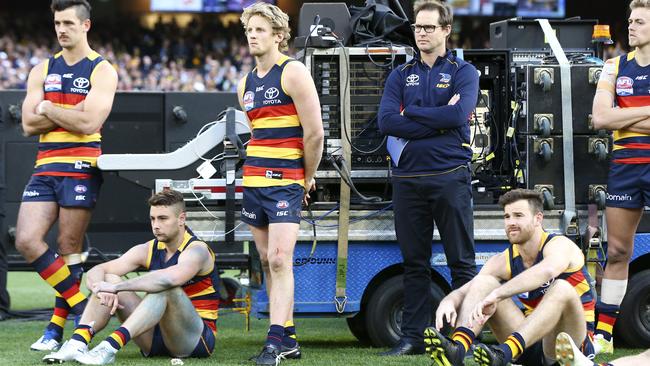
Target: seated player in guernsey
[[545, 271], [177, 315]]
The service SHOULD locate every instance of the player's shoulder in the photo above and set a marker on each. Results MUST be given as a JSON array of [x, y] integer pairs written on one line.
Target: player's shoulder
[[40, 68], [105, 68], [294, 67], [558, 241], [198, 245]]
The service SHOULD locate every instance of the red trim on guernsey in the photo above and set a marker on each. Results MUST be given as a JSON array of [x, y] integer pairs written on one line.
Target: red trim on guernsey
[[212, 304], [636, 145], [287, 173], [52, 268], [59, 129], [273, 111], [64, 98], [89, 152], [197, 287], [291, 143], [64, 174], [640, 160], [575, 278]]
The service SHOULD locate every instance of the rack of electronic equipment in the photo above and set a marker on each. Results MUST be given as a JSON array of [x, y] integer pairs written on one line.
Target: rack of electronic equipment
[[516, 129]]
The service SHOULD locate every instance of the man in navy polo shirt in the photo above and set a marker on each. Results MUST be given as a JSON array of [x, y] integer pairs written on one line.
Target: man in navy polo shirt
[[425, 111]]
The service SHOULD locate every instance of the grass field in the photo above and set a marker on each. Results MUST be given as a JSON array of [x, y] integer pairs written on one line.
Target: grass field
[[324, 341]]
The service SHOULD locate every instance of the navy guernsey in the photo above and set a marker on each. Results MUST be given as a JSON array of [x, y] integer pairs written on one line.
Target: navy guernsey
[[415, 107]]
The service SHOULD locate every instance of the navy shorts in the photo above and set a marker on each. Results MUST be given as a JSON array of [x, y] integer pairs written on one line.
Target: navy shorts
[[628, 185], [203, 348], [65, 191], [269, 205]]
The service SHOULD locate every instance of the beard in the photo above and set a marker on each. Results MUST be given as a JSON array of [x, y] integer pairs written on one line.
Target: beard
[[520, 236]]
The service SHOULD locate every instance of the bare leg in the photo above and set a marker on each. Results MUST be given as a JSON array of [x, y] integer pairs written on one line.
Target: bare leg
[[559, 311], [34, 221], [282, 240], [73, 222], [261, 237], [505, 319], [180, 325], [621, 226], [100, 314]]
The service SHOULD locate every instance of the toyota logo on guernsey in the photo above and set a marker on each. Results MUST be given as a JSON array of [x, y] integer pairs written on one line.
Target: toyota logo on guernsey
[[80, 86], [271, 95], [413, 80]]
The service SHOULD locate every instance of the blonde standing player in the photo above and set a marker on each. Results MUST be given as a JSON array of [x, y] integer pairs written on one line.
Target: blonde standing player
[[622, 105], [280, 100]]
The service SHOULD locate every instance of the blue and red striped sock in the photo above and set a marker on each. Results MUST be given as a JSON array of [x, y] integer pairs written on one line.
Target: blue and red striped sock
[[274, 336]]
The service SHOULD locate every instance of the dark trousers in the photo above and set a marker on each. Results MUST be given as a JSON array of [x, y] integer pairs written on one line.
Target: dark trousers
[[4, 295], [417, 203]]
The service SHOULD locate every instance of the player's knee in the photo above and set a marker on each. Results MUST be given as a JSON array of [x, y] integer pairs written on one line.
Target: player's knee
[[484, 282], [24, 242], [618, 252], [279, 261], [561, 289]]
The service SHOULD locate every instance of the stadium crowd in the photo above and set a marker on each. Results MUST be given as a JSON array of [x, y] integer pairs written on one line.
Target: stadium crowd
[[203, 55], [199, 57]]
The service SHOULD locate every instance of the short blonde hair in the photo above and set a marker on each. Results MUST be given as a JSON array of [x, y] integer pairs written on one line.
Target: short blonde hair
[[639, 4], [279, 20]]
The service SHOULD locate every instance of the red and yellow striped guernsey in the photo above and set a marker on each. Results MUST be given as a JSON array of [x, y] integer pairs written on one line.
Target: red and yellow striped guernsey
[[578, 278], [201, 289], [275, 150], [631, 89], [61, 152]]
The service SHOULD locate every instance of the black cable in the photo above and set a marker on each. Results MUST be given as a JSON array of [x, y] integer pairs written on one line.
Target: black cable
[[347, 179], [315, 240], [316, 23], [385, 65], [346, 87]]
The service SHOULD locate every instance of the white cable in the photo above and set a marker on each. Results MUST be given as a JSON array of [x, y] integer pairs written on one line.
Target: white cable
[[205, 126]]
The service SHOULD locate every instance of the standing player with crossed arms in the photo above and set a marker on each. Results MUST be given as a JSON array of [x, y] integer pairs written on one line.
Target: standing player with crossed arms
[[69, 96]]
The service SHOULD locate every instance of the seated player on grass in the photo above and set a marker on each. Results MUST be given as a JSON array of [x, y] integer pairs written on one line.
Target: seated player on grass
[[176, 317], [545, 271]]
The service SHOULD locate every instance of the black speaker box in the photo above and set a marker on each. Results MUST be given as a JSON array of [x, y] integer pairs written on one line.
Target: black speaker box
[[520, 34], [335, 16]]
